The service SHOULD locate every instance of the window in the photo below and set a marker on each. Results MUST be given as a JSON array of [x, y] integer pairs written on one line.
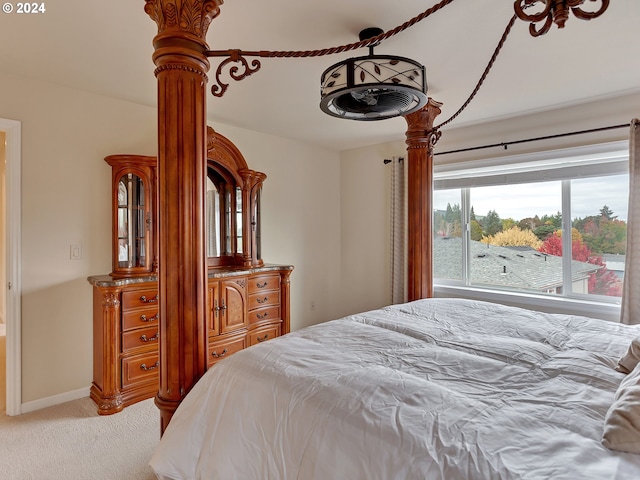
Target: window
[[507, 224]]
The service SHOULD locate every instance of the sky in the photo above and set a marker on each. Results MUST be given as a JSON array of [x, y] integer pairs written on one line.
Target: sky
[[588, 196]]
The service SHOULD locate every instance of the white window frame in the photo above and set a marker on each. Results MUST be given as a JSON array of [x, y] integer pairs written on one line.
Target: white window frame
[[564, 164]]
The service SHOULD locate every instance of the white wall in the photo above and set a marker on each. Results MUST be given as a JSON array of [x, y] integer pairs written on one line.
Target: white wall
[[65, 200], [66, 193], [365, 182], [365, 236]]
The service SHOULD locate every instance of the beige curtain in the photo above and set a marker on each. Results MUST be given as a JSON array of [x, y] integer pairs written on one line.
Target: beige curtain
[[630, 312], [398, 231]]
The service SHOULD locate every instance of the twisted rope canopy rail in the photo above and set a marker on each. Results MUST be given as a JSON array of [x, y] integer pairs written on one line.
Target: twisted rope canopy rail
[[239, 72]]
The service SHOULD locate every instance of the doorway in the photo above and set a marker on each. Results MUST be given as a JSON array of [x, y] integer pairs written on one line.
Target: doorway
[[3, 310], [10, 157]]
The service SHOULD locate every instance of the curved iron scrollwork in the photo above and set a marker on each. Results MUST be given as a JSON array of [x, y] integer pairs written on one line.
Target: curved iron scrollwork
[[235, 72], [554, 11], [434, 136]]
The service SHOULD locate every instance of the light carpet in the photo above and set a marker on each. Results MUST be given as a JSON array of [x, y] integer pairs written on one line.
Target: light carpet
[[72, 442]]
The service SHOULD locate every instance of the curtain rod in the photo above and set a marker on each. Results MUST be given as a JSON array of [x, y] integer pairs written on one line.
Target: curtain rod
[[514, 142]]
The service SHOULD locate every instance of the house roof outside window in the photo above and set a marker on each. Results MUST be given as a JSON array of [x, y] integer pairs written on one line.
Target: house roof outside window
[[519, 267]]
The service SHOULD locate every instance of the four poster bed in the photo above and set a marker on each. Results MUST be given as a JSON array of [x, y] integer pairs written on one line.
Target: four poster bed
[[434, 388]]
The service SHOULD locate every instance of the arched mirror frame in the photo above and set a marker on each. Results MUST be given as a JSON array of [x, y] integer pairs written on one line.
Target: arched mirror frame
[[239, 188]]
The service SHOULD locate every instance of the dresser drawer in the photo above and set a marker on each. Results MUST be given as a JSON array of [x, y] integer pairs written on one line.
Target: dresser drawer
[[140, 318], [219, 349], [139, 298], [263, 334], [263, 283], [143, 337], [140, 368], [266, 299], [267, 314]]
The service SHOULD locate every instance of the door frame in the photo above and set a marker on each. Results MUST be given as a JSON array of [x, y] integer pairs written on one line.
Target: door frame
[[12, 129]]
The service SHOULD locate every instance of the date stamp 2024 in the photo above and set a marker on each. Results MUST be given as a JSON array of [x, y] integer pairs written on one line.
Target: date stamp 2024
[[24, 8]]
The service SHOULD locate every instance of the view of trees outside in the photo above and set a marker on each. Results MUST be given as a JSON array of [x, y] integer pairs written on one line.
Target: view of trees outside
[[593, 236]]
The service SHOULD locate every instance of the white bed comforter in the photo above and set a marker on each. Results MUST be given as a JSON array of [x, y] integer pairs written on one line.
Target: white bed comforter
[[434, 389]]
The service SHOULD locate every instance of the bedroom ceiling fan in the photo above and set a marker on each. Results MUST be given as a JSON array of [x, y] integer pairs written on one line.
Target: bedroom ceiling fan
[[373, 87]]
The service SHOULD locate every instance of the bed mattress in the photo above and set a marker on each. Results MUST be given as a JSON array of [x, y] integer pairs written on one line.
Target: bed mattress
[[433, 389]]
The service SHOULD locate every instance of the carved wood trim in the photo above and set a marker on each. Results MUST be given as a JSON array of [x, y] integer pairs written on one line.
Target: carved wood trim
[[223, 151], [186, 17], [106, 331]]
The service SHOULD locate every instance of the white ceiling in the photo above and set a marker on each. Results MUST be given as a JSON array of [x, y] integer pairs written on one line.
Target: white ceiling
[[106, 48]]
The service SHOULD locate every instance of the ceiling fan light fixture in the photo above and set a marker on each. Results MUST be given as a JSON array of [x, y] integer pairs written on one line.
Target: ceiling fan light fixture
[[374, 87]]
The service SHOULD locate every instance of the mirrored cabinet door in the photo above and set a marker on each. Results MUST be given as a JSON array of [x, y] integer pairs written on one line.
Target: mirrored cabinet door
[[133, 222]]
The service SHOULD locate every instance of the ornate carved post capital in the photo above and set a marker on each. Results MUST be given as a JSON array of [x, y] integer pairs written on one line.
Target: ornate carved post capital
[[186, 18], [182, 30], [420, 133]]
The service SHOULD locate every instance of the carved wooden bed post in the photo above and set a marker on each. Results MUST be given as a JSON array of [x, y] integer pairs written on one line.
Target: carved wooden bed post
[[181, 73], [420, 141]]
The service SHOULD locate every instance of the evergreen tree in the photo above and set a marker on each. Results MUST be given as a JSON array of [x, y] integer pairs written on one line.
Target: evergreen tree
[[492, 223], [606, 212], [476, 231]]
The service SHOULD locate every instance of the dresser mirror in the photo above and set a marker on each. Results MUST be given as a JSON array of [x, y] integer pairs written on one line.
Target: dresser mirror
[[232, 226]]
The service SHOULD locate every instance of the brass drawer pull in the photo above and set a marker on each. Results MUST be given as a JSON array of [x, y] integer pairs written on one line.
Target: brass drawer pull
[[152, 367], [219, 355], [144, 338], [144, 318], [144, 299], [266, 336], [264, 315], [262, 300], [262, 285]]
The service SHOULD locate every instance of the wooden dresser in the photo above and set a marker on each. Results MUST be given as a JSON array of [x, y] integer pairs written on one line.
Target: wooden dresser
[[245, 307], [247, 301]]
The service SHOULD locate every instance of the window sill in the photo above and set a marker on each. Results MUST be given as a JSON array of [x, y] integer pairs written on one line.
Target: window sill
[[542, 303]]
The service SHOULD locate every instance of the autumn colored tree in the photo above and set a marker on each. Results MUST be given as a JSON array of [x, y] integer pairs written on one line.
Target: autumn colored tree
[[603, 233], [514, 237], [603, 281], [552, 245]]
